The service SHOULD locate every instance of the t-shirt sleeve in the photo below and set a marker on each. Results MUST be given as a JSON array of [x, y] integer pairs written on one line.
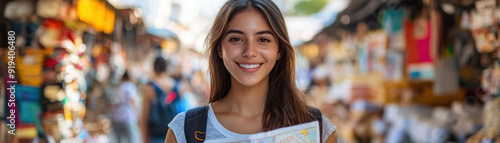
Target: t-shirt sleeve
[[328, 128], [177, 126], [130, 90], [133, 91]]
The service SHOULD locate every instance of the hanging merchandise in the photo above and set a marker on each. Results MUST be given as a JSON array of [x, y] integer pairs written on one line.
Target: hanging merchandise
[[466, 20], [19, 10], [51, 33], [491, 121], [392, 22], [49, 8], [491, 80], [25, 33], [377, 49], [303, 76], [29, 67], [394, 63], [97, 14], [363, 61], [463, 47], [491, 130], [484, 14], [341, 61], [53, 94], [485, 39], [484, 34], [446, 80], [419, 49], [28, 100]]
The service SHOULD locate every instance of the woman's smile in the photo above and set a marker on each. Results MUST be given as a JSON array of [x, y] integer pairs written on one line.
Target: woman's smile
[[249, 67]]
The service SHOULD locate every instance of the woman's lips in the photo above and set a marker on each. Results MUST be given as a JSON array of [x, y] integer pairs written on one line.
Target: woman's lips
[[249, 67]]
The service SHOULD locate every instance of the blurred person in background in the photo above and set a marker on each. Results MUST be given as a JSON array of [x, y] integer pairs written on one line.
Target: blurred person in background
[[320, 86], [159, 107], [186, 98], [253, 89], [124, 113]]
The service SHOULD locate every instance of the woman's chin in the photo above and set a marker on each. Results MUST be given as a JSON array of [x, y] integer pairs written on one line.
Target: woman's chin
[[248, 82]]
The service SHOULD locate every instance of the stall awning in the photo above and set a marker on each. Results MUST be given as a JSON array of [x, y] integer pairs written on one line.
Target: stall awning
[[162, 33]]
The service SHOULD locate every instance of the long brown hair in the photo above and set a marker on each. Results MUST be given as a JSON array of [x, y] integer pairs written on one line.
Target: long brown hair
[[285, 105]]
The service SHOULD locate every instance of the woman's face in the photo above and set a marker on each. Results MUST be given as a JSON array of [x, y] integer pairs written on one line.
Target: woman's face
[[249, 49]]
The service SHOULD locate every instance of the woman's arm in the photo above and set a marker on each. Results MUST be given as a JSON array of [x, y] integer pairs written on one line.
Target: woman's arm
[[170, 137], [331, 138], [147, 92]]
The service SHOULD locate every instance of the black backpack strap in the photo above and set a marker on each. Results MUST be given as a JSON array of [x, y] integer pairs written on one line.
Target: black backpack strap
[[195, 124], [317, 114]]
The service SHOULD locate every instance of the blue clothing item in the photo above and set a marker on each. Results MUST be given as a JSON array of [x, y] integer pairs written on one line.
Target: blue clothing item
[[392, 20], [157, 140], [187, 101], [161, 112]]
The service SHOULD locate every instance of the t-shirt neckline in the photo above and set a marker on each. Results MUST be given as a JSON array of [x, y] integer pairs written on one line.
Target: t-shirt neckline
[[219, 127]]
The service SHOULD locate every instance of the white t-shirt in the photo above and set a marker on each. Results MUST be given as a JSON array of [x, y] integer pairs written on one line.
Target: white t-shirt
[[216, 131]]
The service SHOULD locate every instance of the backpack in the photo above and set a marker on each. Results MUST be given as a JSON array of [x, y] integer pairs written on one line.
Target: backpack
[[195, 123], [162, 111]]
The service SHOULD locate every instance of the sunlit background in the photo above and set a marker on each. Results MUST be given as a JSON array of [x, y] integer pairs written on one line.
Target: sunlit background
[[391, 71]]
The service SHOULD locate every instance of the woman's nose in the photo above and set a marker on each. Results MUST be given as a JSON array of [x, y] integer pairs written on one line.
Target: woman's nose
[[251, 50]]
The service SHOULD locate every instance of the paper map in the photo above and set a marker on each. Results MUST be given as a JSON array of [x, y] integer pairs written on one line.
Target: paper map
[[302, 133]]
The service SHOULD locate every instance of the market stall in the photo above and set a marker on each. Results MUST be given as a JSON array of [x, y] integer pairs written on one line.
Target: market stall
[[408, 70]]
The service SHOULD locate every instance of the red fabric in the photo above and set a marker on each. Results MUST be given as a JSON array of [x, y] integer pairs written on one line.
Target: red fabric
[[411, 43], [51, 23], [418, 49], [50, 63], [65, 32], [170, 97]]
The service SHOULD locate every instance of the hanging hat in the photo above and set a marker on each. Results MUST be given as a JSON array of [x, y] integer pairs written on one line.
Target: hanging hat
[[48, 8], [19, 9]]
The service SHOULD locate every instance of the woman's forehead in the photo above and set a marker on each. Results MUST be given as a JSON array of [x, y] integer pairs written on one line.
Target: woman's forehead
[[249, 22]]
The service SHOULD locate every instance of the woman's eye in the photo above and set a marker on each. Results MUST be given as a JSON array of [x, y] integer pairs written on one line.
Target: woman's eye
[[264, 40], [235, 39]]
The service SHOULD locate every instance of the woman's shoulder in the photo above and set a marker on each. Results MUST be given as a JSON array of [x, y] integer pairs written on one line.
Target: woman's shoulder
[[327, 127], [178, 119], [177, 126]]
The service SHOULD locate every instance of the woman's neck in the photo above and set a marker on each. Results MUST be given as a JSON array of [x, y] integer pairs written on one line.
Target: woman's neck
[[246, 100], [160, 75]]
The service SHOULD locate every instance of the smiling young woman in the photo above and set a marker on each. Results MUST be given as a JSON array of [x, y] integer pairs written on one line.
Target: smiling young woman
[[252, 66]]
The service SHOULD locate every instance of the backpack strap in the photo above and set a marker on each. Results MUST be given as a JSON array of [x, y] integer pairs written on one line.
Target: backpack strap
[[157, 89], [317, 115], [195, 124]]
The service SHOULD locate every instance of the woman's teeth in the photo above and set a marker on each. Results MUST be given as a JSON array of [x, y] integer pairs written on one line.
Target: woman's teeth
[[250, 66]]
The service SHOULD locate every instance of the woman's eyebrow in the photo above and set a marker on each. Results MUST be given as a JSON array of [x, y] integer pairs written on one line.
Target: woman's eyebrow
[[243, 33], [235, 31], [264, 32]]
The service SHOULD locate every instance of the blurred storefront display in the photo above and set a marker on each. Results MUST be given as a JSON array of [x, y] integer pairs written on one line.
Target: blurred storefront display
[[410, 71], [67, 54]]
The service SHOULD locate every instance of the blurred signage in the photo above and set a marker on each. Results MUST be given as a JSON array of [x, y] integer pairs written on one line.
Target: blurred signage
[[97, 14]]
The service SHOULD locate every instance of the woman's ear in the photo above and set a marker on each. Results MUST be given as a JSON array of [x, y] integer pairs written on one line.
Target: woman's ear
[[278, 57], [219, 51]]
